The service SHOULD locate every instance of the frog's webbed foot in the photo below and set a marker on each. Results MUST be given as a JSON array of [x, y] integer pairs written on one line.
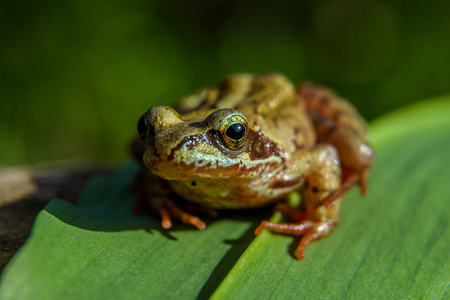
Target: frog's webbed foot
[[155, 195], [307, 229], [168, 210]]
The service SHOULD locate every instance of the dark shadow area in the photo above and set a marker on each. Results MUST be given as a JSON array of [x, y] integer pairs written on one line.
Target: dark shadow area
[[16, 220]]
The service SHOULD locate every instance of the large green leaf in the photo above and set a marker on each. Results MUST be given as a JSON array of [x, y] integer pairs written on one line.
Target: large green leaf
[[394, 243]]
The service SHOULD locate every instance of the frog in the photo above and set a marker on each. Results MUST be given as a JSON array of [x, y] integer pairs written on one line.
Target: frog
[[249, 142]]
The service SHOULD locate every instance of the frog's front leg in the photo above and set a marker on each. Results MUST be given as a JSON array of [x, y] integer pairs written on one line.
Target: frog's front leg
[[320, 168], [155, 193]]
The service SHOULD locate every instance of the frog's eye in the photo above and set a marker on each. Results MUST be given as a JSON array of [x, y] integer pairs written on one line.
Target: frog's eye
[[233, 132], [142, 127]]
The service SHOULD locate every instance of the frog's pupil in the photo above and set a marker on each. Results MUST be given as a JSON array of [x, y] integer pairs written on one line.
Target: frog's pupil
[[142, 127], [235, 131]]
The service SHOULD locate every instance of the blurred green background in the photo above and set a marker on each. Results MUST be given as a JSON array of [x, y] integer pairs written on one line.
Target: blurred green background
[[75, 75]]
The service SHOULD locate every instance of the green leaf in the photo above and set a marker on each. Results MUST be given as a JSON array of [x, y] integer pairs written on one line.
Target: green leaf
[[392, 244], [101, 249]]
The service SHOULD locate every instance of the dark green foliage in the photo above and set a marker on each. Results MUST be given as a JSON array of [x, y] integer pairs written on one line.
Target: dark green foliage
[[76, 75]]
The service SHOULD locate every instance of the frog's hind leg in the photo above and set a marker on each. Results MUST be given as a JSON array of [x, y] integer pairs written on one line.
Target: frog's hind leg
[[337, 123], [341, 160]]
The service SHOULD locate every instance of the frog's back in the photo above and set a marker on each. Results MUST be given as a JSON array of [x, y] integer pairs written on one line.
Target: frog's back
[[268, 101], [238, 91]]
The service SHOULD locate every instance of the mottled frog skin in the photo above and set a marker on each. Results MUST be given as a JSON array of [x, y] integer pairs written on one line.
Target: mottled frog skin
[[250, 141]]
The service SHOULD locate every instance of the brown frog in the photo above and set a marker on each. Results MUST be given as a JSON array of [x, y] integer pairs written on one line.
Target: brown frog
[[250, 141]]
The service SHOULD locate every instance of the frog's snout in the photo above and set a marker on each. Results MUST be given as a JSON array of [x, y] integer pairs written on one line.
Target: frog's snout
[[163, 116]]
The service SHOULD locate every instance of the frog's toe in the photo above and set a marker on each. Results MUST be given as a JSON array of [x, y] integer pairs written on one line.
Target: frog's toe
[[173, 211], [364, 178], [293, 229], [306, 239], [319, 230], [350, 179], [166, 220], [260, 227]]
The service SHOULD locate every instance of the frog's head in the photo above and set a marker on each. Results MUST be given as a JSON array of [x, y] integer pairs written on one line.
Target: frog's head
[[212, 144]]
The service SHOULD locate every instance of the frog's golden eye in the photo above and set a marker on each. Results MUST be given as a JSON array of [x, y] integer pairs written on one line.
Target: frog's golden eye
[[233, 132]]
